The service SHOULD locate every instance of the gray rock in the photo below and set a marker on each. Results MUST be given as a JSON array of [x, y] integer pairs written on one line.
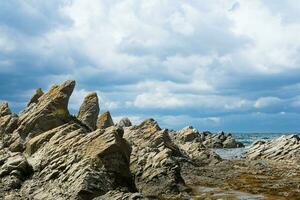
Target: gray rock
[[125, 122], [89, 110]]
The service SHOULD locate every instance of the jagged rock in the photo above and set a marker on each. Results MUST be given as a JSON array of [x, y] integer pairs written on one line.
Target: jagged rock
[[105, 120], [14, 171], [16, 164], [35, 98], [8, 123], [49, 112], [72, 164], [282, 148], [230, 142], [187, 134], [89, 110], [125, 122], [206, 139], [154, 160], [4, 109], [191, 142]]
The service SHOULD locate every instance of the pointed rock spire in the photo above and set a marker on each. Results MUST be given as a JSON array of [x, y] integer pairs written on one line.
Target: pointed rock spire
[[89, 110], [105, 120], [4, 109], [35, 98], [50, 111]]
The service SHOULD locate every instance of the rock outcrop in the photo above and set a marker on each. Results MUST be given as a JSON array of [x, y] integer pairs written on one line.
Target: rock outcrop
[[207, 139], [47, 153], [8, 123], [105, 120], [4, 109], [35, 98], [282, 148], [125, 122], [50, 111], [58, 157], [154, 160], [89, 110]]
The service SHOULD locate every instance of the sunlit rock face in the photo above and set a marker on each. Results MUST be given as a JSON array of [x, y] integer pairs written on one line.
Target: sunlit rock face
[[282, 148]]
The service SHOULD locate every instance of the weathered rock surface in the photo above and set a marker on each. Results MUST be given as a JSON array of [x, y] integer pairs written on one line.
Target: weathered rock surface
[[8, 123], [59, 157], [125, 122], [89, 110], [35, 98], [4, 109], [105, 120], [154, 160], [282, 148], [49, 112], [46, 153]]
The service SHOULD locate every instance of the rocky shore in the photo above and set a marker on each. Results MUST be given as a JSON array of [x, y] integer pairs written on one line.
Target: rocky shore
[[47, 153]]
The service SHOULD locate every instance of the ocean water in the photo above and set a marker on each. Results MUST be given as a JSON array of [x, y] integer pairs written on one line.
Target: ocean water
[[247, 139]]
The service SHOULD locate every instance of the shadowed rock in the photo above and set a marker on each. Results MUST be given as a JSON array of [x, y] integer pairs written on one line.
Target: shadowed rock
[[89, 110], [125, 122], [154, 160], [35, 98], [105, 120], [8, 122], [4, 109]]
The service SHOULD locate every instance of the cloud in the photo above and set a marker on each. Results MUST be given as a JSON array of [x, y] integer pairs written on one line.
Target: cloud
[[266, 101], [204, 63]]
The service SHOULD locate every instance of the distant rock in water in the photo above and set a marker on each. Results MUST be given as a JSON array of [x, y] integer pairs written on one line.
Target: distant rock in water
[[35, 98], [105, 120], [207, 139], [282, 148], [89, 110], [125, 122]]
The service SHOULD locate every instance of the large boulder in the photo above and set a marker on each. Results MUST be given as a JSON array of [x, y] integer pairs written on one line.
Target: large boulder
[[187, 134], [105, 120], [191, 142], [282, 148], [70, 163], [89, 110], [154, 160], [14, 171]]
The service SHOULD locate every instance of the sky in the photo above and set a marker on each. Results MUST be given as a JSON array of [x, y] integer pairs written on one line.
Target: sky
[[231, 65]]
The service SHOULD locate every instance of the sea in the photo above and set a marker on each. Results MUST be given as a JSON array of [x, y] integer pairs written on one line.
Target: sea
[[247, 139]]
